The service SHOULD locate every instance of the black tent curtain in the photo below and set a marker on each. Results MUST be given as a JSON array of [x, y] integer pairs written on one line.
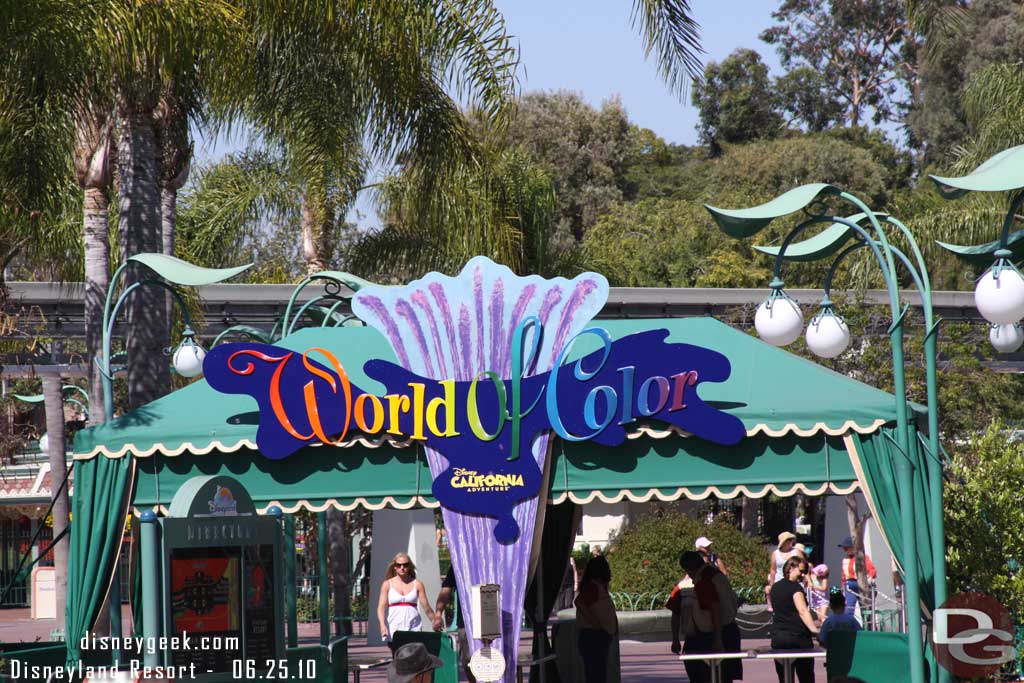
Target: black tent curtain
[[556, 545]]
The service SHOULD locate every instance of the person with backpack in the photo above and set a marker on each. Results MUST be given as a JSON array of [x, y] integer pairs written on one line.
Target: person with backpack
[[712, 619]]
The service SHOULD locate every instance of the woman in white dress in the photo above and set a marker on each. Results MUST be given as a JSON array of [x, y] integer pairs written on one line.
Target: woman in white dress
[[401, 597]]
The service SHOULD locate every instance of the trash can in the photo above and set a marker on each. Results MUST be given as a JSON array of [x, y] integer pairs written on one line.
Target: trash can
[[570, 664]]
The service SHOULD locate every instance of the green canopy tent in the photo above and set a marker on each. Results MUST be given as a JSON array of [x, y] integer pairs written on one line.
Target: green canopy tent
[[809, 430]]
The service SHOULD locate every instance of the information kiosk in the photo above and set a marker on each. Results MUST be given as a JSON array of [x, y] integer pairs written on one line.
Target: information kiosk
[[222, 582]]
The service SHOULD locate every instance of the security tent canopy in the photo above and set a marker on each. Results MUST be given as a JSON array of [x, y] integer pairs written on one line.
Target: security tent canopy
[[800, 418], [808, 429]]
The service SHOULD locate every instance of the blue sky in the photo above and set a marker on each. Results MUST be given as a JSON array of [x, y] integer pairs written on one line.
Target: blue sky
[[591, 47]]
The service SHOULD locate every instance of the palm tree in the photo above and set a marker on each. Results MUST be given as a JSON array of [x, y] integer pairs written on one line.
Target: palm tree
[[94, 170], [36, 134], [502, 208], [53, 400]]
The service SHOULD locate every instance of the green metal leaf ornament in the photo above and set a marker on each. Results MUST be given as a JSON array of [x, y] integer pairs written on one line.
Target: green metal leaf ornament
[[742, 223], [179, 272]]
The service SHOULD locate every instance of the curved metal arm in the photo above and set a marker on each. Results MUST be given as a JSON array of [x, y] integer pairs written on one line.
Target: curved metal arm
[[334, 280], [80, 404], [860, 244], [330, 313], [80, 390], [287, 330], [865, 237], [108, 330], [793, 234], [1011, 214]]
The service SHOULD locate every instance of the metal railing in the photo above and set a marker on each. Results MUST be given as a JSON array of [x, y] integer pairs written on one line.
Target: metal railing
[[634, 602]]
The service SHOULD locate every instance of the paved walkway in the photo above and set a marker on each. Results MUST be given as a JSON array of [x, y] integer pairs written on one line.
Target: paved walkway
[[640, 662]]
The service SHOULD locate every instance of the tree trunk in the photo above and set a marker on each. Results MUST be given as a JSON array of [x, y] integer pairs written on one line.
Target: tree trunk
[[168, 216], [139, 215], [856, 524], [316, 218], [341, 560], [54, 403], [94, 171], [174, 156], [748, 516], [97, 279]]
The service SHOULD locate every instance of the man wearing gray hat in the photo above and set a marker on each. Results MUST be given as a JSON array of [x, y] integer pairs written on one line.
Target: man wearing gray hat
[[412, 664]]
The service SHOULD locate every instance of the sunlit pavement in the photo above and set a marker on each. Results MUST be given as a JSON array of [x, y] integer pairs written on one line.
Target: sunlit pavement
[[639, 661]]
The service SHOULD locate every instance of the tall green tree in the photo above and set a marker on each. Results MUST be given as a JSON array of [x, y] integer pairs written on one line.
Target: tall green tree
[[736, 101], [803, 94], [36, 137], [960, 42], [864, 50], [584, 150]]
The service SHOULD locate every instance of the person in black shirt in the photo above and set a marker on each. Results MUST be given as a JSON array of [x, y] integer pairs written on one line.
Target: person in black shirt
[[792, 623], [448, 590]]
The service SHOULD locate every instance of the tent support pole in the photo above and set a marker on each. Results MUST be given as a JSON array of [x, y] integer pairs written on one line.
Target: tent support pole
[[291, 611], [321, 547], [150, 586]]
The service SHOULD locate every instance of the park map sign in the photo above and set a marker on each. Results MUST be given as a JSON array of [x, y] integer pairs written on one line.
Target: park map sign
[[483, 381]]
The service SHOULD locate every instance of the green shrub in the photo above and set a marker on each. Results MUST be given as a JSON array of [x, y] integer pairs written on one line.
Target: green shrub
[[307, 608], [644, 556], [984, 518]]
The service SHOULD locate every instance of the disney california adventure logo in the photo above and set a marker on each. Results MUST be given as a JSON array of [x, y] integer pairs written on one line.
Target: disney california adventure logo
[[473, 482]]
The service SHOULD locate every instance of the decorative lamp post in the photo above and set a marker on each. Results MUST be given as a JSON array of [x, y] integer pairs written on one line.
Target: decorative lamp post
[[999, 294], [828, 336], [187, 359], [82, 403]]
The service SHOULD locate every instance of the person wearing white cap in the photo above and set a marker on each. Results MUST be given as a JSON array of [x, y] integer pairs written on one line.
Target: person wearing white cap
[[703, 545]]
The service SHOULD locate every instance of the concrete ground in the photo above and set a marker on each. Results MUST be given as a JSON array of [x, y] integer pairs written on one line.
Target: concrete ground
[[640, 662]]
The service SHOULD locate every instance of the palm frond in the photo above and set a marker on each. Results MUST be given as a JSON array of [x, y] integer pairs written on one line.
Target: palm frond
[[669, 30], [991, 103], [502, 209]]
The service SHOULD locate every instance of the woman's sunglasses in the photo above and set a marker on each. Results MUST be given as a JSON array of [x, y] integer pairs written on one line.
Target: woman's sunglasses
[[402, 564]]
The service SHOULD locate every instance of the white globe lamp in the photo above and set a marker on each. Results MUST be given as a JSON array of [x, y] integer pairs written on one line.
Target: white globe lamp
[[779, 320], [189, 356], [1006, 338], [827, 334], [999, 295], [44, 443]]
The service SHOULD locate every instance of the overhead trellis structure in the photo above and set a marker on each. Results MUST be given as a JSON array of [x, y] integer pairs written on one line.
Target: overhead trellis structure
[[798, 418]]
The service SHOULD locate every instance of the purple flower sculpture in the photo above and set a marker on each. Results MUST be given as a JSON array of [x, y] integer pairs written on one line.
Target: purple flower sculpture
[[462, 328]]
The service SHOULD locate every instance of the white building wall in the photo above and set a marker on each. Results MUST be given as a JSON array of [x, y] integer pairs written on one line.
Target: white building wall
[[599, 522]]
